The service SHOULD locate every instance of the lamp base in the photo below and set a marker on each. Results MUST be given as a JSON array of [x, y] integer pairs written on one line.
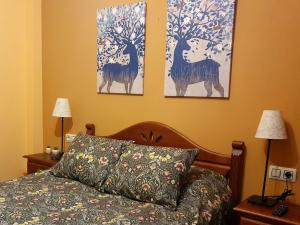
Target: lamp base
[[256, 199]]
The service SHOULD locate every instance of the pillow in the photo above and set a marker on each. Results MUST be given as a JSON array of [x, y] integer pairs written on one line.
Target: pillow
[[151, 174], [208, 195], [89, 159]]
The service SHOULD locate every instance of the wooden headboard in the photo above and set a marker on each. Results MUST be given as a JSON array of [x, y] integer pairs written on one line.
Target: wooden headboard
[[158, 134]]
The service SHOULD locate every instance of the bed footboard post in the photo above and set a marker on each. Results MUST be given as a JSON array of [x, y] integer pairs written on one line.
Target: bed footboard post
[[90, 129], [237, 171]]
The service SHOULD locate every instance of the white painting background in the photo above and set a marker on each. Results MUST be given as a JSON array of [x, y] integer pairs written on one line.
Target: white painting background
[[139, 10], [199, 49]]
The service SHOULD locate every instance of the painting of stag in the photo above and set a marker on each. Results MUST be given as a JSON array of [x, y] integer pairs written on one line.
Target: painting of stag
[[198, 53], [121, 44]]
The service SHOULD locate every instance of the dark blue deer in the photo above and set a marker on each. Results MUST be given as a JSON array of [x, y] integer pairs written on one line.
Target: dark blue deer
[[125, 74], [184, 73]]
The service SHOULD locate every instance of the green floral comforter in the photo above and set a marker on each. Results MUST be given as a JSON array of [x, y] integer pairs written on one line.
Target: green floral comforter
[[44, 199]]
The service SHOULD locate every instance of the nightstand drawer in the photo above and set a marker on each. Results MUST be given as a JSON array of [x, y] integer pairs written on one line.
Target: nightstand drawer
[[34, 167], [251, 214], [39, 161], [246, 221]]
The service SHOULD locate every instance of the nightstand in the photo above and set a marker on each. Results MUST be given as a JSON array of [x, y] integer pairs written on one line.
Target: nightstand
[[251, 214], [40, 161]]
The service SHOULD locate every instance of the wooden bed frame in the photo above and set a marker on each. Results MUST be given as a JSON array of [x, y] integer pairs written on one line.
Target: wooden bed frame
[[158, 134]]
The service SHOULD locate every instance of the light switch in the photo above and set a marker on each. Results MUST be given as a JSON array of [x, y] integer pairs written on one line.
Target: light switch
[[70, 137], [276, 173]]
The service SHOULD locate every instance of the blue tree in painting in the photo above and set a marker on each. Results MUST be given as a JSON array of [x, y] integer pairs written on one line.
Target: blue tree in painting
[[121, 44], [192, 21]]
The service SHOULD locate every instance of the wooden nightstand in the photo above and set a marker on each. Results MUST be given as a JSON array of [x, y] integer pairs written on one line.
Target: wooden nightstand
[[40, 161], [251, 214]]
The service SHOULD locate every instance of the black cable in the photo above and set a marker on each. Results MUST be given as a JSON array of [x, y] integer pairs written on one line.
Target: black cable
[[286, 191]]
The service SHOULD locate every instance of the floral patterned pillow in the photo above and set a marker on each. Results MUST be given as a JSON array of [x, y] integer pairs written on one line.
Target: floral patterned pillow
[[151, 174], [89, 159], [209, 192]]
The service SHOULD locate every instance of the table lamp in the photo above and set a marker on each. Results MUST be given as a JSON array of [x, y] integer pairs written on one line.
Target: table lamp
[[271, 126], [62, 110]]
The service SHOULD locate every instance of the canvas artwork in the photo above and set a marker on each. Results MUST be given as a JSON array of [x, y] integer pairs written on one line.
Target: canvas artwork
[[199, 46], [121, 47]]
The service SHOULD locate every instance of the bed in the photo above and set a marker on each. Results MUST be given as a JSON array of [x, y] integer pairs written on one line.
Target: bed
[[205, 198]]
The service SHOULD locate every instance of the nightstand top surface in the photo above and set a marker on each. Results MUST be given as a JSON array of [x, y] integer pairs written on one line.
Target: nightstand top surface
[[265, 213], [42, 158]]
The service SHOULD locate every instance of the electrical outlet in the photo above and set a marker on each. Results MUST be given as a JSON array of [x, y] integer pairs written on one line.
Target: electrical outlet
[[279, 173], [70, 137]]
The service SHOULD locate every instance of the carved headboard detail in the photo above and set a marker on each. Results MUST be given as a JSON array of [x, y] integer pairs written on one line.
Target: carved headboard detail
[[151, 138]]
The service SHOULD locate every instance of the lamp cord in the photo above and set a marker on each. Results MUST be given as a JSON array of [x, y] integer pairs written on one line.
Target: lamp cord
[[286, 185]]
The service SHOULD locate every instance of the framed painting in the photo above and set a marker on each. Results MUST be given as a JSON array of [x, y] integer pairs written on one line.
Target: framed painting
[[199, 47], [121, 47]]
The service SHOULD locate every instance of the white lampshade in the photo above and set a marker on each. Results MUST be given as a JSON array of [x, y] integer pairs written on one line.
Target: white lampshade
[[62, 108], [271, 126]]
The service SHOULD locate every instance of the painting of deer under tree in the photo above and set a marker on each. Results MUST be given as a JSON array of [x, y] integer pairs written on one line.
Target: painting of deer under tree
[[121, 47], [199, 46]]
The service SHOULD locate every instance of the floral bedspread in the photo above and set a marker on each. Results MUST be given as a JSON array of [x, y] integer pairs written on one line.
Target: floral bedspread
[[44, 199]]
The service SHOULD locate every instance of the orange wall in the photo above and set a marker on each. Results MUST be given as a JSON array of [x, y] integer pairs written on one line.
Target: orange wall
[[21, 84], [34, 76], [265, 75]]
